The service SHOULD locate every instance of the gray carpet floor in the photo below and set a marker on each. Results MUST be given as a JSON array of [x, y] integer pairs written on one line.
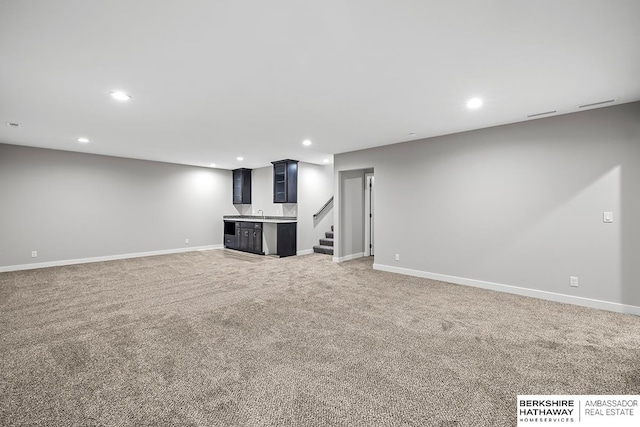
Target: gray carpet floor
[[222, 338]]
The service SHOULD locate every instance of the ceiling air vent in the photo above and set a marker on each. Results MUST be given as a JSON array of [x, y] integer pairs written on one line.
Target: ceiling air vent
[[593, 104], [13, 124], [541, 114]]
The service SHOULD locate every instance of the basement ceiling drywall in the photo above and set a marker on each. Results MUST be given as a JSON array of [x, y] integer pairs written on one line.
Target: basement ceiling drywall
[[214, 80]]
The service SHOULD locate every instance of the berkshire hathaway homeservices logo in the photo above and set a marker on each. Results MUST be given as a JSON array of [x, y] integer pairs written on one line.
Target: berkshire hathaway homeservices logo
[[582, 410]]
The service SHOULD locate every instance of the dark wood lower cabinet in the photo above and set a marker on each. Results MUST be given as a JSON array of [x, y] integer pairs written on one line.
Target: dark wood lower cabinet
[[251, 237], [248, 236], [255, 245], [244, 239], [244, 236], [287, 239]]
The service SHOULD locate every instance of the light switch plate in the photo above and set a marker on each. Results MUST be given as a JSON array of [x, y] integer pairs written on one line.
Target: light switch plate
[[607, 217]]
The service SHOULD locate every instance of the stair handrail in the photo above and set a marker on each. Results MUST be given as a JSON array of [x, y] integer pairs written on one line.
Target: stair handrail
[[317, 214]]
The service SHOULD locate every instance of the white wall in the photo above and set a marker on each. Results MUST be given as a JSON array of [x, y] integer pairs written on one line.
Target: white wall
[[315, 188], [518, 205], [70, 206]]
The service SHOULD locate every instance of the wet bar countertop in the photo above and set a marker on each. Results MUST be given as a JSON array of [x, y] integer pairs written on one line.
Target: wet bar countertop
[[260, 218]]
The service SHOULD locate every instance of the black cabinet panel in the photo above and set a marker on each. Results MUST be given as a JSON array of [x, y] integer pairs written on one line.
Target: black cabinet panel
[[292, 182], [244, 239], [287, 245], [241, 186], [238, 232], [285, 181]]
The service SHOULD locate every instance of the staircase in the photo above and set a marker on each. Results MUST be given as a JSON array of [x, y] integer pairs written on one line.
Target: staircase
[[326, 244]]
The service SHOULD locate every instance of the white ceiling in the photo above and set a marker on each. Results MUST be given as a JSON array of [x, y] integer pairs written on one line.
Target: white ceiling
[[213, 80]]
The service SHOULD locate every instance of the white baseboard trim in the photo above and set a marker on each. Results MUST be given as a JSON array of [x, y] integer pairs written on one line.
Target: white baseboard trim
[[527, 292], [304, 252], [348, 257], [105, 258]]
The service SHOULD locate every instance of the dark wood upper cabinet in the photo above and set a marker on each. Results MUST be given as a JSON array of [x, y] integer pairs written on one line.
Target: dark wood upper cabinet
[[285, 181], [241, 186]]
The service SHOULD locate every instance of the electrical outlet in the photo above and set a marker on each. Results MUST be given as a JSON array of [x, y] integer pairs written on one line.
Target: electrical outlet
[[397, 257], [186, 241], [573, 281], [34, 254]]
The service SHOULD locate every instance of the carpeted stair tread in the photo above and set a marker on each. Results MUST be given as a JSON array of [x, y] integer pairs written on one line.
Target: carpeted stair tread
[[329, 234], [322, 249], [326, 242]]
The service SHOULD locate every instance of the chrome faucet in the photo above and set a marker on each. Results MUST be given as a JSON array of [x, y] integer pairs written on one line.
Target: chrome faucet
[[260, 210]]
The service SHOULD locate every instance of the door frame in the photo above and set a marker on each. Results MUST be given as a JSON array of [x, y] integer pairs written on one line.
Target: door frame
[[369, 196]]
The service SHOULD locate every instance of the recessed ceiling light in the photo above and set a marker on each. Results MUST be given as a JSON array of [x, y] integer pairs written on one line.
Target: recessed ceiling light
[[239, 158], [474, 103], [411, 134], [306, 142], [212, 165], [325, 161], [83, 140], [120, 96]]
